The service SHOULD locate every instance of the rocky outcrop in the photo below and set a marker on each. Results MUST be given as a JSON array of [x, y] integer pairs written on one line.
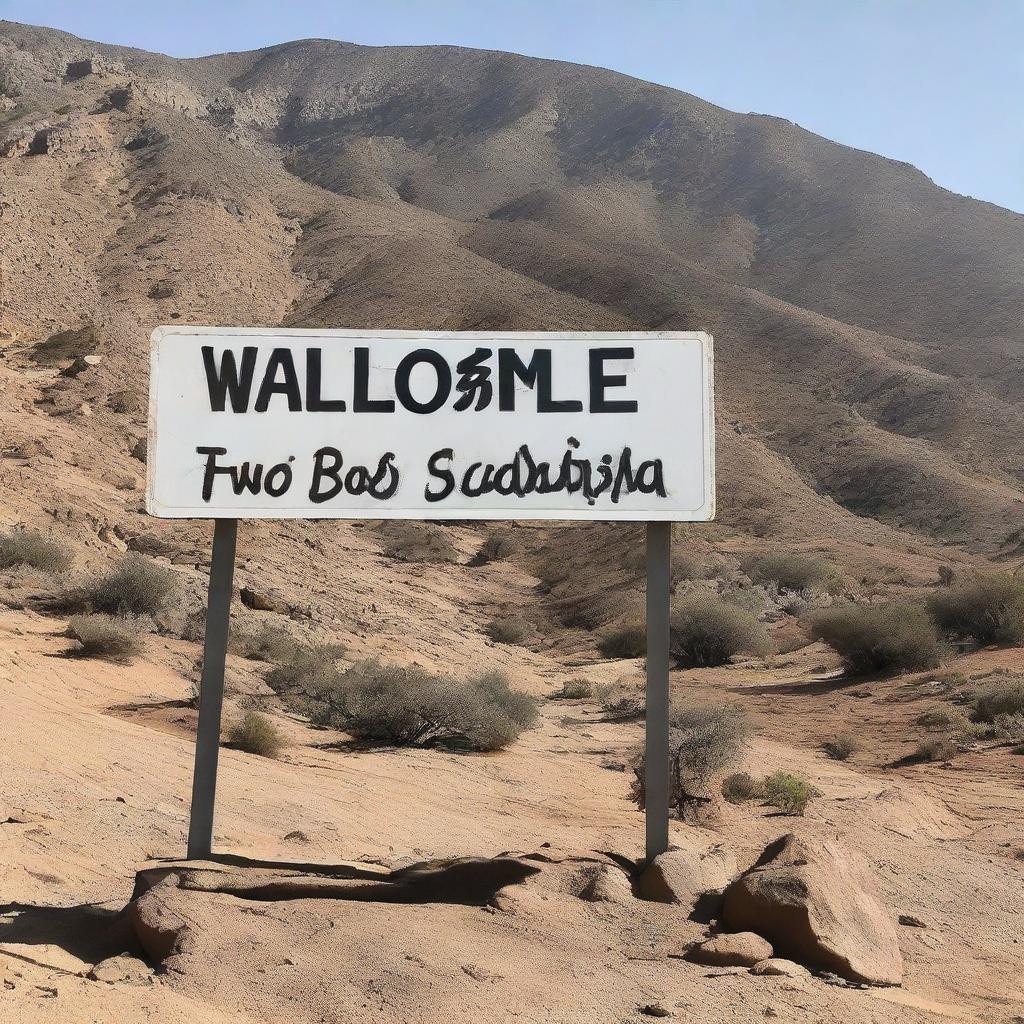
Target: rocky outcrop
[[817, 903], [687, 875], [738, 949]]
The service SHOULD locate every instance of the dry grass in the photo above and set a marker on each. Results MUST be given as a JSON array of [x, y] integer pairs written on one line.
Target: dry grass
[[134, 586], [740, 787], [268, 643], [841, 747], [794, 571], [35, 549], [574, 689], [509, 630], [936, 748], [627, 640], [106, 637], [256, 734], [417, 542]]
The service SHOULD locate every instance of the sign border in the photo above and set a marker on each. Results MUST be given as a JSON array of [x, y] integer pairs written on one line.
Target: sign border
[[705, 513]]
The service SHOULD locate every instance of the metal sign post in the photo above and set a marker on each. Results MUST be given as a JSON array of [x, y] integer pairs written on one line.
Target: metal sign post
[[656, 730], [211, 692]]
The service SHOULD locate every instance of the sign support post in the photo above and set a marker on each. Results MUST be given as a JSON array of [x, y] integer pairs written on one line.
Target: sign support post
[[211, 692], [656, 734]]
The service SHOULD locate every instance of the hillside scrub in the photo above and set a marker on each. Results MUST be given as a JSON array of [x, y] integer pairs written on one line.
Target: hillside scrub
[[512, 629], [34, 549], [740, 787], [793, 571], [269, 643], [703, 740], [134, 586], [989, 609], [106, 637], [841, 747], [417, 542], [306, 668], [627, 640], [256, 734], [885, 638], [408, 706], [706, 631], [574, 689]]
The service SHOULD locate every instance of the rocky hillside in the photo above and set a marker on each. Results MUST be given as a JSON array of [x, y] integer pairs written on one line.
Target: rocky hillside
[[867, 323]]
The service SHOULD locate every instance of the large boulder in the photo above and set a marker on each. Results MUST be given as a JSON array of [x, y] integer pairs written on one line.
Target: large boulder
[[687, 875], [817, 903]]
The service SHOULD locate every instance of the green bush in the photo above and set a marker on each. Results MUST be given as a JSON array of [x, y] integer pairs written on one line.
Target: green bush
[[408, 706], [705, 631], [880, 638], [256, 734], [989, 609], [740, 787], [496, 546], [574, 689], [32, 548], [789, 793], [417, 542], [702, 741], [793, 571], [627, 640], [936, 748], [841, 747], [102, 636], [510, 630], [134, 586]]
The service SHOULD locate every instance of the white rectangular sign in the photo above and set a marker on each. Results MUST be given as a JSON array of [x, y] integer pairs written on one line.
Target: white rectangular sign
[[358, 424]]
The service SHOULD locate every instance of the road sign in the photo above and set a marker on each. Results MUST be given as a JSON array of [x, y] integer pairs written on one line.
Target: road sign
[[251, 423]]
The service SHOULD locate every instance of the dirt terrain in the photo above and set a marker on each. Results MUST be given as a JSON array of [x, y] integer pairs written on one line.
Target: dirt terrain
[[868, 328]]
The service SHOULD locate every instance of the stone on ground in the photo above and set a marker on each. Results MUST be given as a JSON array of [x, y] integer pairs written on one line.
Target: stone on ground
[[738, 949], [684, 874]]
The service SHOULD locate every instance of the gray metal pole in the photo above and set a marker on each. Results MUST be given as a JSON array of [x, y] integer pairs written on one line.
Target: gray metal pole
[[211, 693], [656, 782]]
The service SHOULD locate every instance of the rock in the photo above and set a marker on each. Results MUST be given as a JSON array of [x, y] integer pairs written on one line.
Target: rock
[[777, 967], [818, 903], [738, 949], [683, 875], [126, 970], [909, 921], [261, 602], [654, 1010], [161, 932]]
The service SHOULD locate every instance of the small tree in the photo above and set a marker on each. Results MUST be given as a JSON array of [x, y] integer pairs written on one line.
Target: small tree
[[702, 742], [880, 638], [705, 630]]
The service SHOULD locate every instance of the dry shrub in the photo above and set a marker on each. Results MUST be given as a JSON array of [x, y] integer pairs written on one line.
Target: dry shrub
[[793, 571], [936, 748], [269, 643], [574, 689], [134, 586], [256, 734], [1002, 695], [841, 747], [509, 630], [102, 636], [702, 741], [740, 787], [417, 542], [705, 630], [942, 719], [621, 705], [306, 669], [408, 706], [627, 640], [686, 566], [496, 546], [789, 793], [32, 548], [989, 609], [880, 638]]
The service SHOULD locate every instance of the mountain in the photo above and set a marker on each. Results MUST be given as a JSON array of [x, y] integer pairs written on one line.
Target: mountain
[[868, 324]]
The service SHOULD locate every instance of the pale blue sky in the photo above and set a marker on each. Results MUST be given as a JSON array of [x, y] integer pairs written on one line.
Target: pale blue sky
[[939, 83]]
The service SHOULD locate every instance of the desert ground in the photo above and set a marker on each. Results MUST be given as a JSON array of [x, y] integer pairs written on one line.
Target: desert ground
[[867, 328]]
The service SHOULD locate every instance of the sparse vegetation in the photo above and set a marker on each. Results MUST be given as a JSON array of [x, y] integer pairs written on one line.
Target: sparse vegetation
[[627, 640], [841, 747], [256, 734], [705, 630], [988, 609], [408, 706], [880, 638], [307, 668], [102, 636], [574, 689], [32, 548], [269, 643], [740, 787], [622, 705], [936, 748], [789, 793], [1001, 696], [702, 741], [509, 630], [496, 546], [942, 719], [134, 586], [793, 571], [417, 542]]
